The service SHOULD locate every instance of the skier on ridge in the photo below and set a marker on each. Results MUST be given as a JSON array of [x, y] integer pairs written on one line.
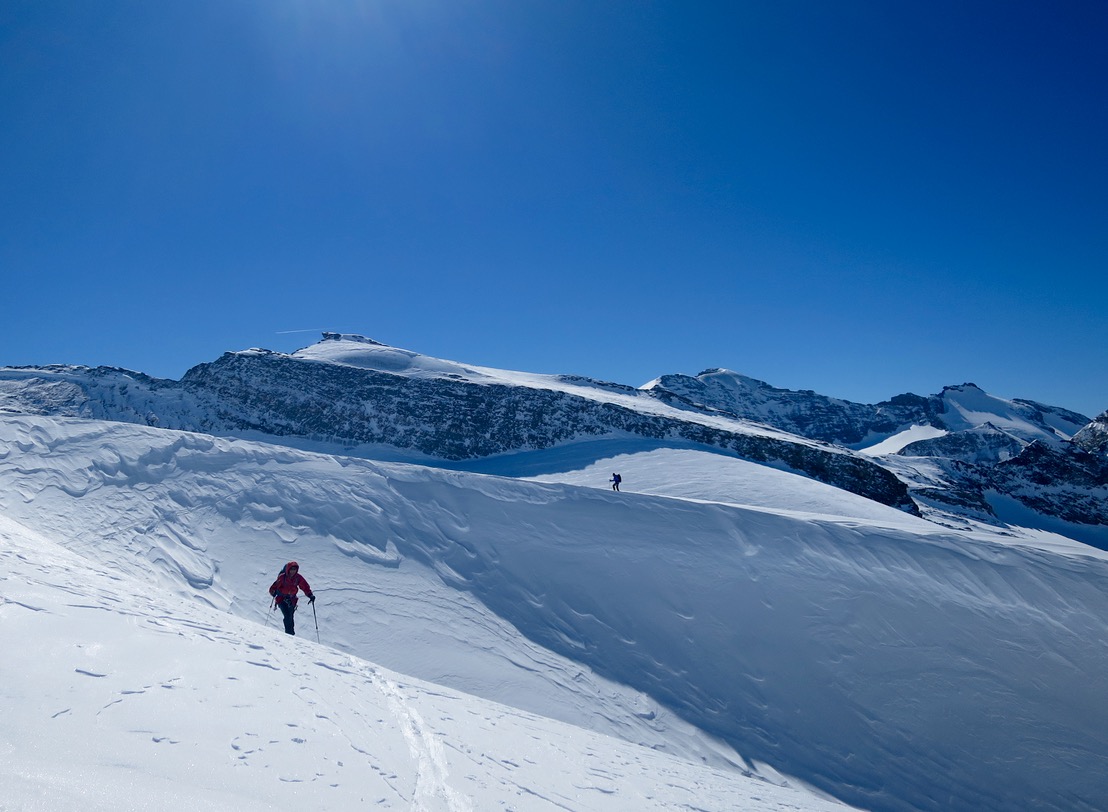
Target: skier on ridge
[[284, 590]]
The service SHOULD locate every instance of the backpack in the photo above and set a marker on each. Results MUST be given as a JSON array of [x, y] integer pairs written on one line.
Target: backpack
[[281, 579]]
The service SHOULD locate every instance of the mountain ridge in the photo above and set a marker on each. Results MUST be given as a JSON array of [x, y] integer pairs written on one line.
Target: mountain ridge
[[350, 391]]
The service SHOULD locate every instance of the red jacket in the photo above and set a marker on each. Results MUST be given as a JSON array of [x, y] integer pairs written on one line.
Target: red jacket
[[287, 584]]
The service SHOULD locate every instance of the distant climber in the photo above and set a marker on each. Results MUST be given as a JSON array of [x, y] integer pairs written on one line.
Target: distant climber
[[615, 480], [284, 591]]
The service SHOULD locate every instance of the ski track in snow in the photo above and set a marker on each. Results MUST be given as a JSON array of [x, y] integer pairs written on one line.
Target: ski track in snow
[[432, 772]]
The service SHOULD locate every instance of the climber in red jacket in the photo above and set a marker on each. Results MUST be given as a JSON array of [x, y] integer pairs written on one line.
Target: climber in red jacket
[[284, 590]]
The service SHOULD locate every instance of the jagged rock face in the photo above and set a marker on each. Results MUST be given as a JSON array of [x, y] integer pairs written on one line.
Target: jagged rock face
[[1064, 420], [969, 453], [846, 423], [458, 420], [985, 444], [961, 494], [42, 396], [100, 393], [799, 412], [1066, 482], [441, 417], [1094, 437], [1059, 481], [450, 420]]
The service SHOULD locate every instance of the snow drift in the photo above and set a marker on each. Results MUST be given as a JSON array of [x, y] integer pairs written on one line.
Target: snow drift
[[134, 700], [887, 661]]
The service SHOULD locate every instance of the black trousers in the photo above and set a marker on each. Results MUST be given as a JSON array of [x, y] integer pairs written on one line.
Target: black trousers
[[288, 609]]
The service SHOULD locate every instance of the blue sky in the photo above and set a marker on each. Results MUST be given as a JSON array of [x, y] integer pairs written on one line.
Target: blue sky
[[860, 198]]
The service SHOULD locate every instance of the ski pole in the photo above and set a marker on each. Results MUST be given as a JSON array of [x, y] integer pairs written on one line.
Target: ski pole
[[272, 603], [316, 619]]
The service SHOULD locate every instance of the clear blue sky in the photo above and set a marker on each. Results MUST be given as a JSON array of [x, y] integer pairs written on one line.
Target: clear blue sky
[[861, 198]]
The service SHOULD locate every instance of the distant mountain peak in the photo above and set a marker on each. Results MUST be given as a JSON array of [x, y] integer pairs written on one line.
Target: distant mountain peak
[[1094, 437]]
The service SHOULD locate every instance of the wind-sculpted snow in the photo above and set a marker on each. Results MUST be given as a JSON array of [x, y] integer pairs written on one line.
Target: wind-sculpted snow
[[124, 698], [894, 664], [212, 520], [825, 650]]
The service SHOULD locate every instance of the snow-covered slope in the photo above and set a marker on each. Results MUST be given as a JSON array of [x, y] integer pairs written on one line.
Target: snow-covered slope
[[120, 696], [721, 619], [968, 406]]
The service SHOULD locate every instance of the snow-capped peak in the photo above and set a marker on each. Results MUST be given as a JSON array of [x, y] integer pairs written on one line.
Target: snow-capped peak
[[365, 353], [968, 407]]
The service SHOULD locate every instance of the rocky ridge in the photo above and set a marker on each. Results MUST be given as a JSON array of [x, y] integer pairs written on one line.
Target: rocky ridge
[[1051, 460], [1094, 437]]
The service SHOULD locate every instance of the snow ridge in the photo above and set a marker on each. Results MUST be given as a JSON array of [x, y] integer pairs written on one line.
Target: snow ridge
[[885, 660], [138, 700]]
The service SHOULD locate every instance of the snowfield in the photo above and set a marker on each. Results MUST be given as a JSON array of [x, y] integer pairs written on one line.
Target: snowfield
[[719, 636], [133, 700]]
